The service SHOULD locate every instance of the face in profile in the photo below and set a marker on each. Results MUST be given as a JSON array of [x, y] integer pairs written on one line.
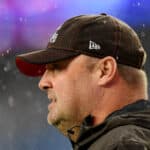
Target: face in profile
[[69, 87]]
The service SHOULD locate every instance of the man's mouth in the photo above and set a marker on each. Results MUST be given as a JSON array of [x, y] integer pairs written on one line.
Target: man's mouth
[[52, 100]]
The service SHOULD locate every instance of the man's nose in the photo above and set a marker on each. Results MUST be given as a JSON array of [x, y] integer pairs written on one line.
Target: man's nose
[[45, 82]]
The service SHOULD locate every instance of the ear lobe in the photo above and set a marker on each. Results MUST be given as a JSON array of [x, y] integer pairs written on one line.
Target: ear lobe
[[107, 70]]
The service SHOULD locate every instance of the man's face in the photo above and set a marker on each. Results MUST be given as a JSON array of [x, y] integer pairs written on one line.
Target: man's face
[[70, 87]]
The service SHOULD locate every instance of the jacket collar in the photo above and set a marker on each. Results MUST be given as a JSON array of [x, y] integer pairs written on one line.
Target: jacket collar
[[124, 116]]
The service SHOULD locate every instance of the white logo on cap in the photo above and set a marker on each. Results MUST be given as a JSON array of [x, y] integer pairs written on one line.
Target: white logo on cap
[[53, 38], [93, 45], [55, 35]]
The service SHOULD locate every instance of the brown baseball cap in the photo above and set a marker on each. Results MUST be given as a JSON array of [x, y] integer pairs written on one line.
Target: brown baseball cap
[[93, 35]]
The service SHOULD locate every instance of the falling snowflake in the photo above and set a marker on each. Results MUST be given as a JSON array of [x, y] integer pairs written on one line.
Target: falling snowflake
[[7, 67], [138, 3], [11, 101], [143, 34], [8, 50], [38, 107], [20, 19], [143, 25], [29, 94], [4, 87]]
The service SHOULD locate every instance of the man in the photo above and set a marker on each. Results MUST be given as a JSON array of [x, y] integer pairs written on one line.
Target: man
[[92, 71]]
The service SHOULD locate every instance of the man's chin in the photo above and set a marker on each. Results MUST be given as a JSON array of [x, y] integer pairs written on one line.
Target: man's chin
[[63, 126], [60, 125], [53, 121]]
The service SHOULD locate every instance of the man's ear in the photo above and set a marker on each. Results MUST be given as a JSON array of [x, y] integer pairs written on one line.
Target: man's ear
[[107, 69]]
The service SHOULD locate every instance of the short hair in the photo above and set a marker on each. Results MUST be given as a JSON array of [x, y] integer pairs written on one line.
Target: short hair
[[134, 77]]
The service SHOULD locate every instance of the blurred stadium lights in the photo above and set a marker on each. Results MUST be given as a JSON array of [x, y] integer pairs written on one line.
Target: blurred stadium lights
[[32, 7], [30, 23]]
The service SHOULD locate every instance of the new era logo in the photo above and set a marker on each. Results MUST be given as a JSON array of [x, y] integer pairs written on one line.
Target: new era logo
[[93, 45]]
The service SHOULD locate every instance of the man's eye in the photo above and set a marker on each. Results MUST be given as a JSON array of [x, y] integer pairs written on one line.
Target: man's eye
[[53, 67], [56, 66]]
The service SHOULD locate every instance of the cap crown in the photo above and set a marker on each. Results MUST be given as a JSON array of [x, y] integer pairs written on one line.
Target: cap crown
[[99, 36]]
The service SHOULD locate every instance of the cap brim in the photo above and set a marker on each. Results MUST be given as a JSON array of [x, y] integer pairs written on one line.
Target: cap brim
[[33, 63]]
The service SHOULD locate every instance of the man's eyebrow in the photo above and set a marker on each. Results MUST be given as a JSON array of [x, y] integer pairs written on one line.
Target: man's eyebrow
[[56, 64], [60, 63], [48, 65]]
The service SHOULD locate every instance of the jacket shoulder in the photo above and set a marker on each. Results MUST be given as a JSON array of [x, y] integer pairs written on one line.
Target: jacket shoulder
[[129, 145], [123, 137]]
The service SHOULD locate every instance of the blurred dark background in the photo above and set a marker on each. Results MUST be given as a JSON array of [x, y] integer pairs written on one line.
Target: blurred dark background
[[28, 25]]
